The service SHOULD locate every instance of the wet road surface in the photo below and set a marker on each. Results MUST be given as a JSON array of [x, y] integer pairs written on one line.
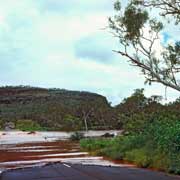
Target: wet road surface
[[60, 171], [38, 154], [27, 149], [67, 162]]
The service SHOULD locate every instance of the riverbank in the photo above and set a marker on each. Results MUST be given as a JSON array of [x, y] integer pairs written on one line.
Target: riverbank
[[129, 149]]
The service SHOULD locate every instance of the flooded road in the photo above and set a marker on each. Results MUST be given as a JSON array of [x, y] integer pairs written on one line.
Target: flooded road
[[17, 137], [52, 156], [23, 149], [28, 154]]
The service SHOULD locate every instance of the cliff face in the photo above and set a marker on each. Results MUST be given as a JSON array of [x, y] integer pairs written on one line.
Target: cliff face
[[55, 108], [23, 94]]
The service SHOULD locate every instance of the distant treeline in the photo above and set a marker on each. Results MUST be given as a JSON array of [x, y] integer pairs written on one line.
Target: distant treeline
[[55, 109], [60, 109]]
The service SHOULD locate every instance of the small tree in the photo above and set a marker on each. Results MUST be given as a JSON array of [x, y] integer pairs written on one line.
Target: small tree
[[135, 103], [86, 110], [138, 33]]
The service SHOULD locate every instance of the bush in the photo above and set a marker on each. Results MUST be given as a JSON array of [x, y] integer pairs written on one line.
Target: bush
[[28, 125], [139, 156], [95, 144], [71, 123], [161, 160], [114, 152], [174, 165], [77, 136], [157, 146]]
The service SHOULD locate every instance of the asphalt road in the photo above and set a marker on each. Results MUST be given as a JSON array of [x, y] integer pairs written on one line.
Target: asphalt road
[[61, 171]]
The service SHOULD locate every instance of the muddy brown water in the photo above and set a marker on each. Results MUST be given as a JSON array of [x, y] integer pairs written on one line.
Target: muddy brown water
[[29, 154], [33, 151], [21, 153], [10, 154]]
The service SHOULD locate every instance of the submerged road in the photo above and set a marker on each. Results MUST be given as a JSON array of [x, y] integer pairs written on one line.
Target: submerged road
[[61, 171]]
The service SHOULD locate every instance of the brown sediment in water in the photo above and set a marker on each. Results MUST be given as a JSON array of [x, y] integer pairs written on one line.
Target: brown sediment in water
[[60, 144], [12, 153], [23, 157], [30, 154]]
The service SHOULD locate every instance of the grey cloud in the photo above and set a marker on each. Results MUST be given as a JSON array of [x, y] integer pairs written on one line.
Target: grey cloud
[[97, 48]]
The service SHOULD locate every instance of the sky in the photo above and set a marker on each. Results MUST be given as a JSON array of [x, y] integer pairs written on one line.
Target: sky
[[65, 44]]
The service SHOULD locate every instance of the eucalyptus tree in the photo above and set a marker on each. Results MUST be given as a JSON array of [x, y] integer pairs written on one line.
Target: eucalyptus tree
[[139, 35]]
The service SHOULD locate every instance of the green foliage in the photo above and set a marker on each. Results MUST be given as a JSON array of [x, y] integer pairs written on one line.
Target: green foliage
[[133, 20], [139, 156], [71, 122], [166, 133], [130, 23], [134, 103], [138, 30], [76, 136], [117, 6], [28, 125], [172, 55], [55, 109], [95, 144], [134, 123], [158, 145]]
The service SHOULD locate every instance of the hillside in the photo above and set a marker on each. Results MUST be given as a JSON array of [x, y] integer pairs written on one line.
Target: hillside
[[54, 109]]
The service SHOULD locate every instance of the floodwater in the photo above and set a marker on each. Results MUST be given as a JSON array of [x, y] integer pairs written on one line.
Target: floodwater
[[17, 137], [22, 149]]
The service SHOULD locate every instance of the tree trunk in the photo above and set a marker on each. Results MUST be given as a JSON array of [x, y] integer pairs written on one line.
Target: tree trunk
[[85, 122]]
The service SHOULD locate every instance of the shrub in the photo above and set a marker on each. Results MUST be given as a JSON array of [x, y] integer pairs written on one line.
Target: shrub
[[28, 125], [71, 122], [76, 136], [157, 146], [95, 144], [139, 156]]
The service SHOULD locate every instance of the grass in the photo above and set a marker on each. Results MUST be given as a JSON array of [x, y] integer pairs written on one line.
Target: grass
[[136, 149]]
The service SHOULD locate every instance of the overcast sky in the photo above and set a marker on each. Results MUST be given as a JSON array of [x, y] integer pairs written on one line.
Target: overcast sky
[[63, 44]]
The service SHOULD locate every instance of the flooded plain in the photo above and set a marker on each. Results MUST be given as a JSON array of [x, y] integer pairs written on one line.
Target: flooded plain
[[22, 149]]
